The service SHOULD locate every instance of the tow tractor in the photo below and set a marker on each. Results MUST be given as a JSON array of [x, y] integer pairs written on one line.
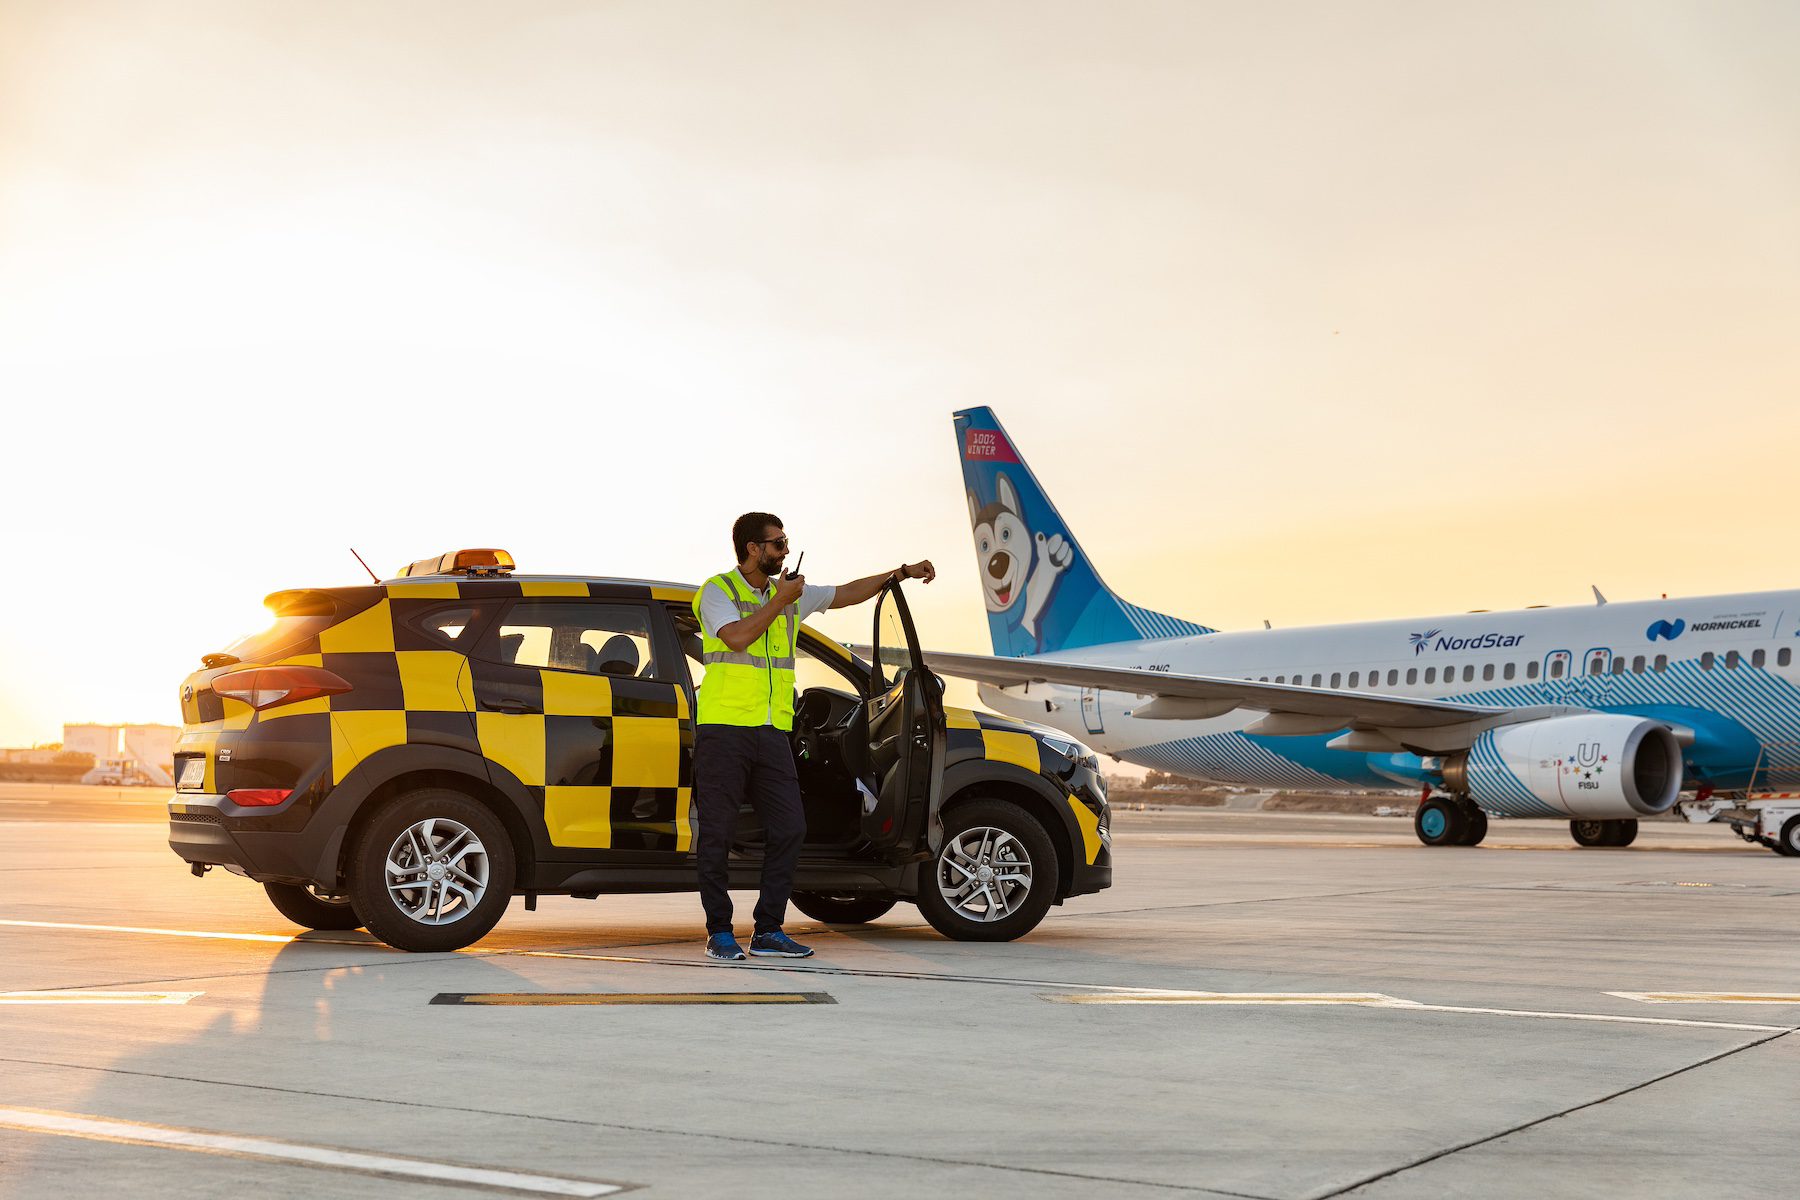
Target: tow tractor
[[1767, 812]]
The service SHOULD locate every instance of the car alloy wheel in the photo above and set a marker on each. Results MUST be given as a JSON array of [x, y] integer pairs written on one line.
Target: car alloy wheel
[[984, 873], [437, 871]]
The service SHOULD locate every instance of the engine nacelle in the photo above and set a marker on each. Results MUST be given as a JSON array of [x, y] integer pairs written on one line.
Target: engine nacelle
[[1601, 766]]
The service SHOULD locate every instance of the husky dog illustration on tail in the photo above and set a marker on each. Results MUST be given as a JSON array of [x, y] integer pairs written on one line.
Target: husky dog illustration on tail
[[1018, 571], [1042, 593]]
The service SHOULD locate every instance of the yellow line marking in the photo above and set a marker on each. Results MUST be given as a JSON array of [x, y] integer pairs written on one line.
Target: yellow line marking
[[1710, 997], [92, 997], [201, 1141], [552, 999], [277, 938]]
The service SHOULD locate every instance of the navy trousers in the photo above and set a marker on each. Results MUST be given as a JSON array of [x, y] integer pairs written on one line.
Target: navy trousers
[[734, 763]]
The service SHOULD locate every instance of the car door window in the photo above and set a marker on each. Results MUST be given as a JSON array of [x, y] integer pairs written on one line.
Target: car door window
[[593, 638]]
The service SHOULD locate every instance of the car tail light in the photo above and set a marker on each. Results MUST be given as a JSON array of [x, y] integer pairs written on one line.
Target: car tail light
[[266, 687], [259, 797]]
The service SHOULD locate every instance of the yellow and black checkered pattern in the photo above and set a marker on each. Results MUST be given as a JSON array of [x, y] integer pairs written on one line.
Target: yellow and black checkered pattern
[[607, 758]]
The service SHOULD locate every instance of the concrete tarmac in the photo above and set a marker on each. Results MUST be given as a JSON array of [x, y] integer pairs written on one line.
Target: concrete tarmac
[[1265, 1005]]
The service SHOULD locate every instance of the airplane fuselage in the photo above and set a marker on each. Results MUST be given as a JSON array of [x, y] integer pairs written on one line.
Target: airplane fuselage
[[1721, 666]]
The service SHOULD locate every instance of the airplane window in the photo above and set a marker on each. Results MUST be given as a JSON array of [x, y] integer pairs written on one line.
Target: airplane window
[[1596, 665], [1531, 670], [1281, 679], [1556, 669], [1315, 682], [1758, 658], [1262, 679], [1619, 665], [1355, 677], [1783, 657], [1487, 671], [1412, 675], [1430, 674], [1337, 679], [1394, 678], [1637, 665], [1731, 660], [1706, 661], [1508, 670], [1661, 663]]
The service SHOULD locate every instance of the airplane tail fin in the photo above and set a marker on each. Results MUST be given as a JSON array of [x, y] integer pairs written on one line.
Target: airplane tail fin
[[1040, 587]]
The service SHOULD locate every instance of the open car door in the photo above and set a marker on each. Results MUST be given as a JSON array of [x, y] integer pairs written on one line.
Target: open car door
[[907, 737]]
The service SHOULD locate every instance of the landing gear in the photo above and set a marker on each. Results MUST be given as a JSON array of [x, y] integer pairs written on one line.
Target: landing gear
[[1439, 822], [1604, 833], [1450, 821]]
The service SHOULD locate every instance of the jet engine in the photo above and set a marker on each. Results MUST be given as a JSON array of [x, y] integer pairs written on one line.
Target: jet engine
[[1599, 766]]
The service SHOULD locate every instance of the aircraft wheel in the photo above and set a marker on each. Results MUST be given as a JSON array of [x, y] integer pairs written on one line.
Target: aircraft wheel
[[1623, 832], [1591, 833], [1475, 826], [1789, 841], [1439, 822]]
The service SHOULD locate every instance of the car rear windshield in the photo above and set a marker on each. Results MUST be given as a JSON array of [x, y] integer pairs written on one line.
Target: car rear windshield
[[300, 617]]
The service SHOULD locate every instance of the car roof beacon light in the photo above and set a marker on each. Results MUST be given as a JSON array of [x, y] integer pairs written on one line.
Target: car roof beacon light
[[474, 563]]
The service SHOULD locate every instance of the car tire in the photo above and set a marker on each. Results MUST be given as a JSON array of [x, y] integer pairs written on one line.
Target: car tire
[[1788, 841], [1439, 822], [306, 908], [842, 910], [1012, 838], [462, 880]]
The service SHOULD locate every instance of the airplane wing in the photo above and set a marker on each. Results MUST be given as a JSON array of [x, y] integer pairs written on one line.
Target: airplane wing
[[1373, 721]]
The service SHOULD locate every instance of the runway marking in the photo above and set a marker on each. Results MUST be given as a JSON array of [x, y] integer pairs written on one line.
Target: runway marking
[[277, 938], [1392, 1003], [853, 972], [75, 996], [1151, 996], [553, 999], [201, 1141], [1710, 997]]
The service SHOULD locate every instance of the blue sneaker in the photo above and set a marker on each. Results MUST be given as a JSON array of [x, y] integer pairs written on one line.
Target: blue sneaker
[[778, 945], [724, 947]]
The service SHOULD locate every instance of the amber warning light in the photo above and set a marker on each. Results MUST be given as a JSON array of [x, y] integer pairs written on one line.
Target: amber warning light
[[462, 562]]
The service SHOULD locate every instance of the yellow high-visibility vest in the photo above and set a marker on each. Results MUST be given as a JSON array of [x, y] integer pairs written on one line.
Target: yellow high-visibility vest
[[755, 685]]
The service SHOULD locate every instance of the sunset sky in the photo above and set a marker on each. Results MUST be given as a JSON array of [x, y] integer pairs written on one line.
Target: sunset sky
[[1301, 312]]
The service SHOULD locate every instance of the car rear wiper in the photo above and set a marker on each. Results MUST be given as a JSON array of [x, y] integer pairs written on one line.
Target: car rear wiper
[[209, 661]]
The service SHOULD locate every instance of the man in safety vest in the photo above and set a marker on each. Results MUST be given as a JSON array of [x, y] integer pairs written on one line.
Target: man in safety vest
[[749, 620]]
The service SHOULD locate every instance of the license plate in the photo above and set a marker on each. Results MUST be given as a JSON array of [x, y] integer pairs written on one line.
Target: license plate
[[193, 775]]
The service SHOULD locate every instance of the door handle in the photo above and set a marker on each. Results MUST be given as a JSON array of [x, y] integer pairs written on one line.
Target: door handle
[[508, 704]]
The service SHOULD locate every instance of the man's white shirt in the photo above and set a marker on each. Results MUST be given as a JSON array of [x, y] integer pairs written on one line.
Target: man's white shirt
[[717, 609]]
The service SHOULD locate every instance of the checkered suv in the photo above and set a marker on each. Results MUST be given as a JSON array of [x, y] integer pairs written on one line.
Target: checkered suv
[[408, 756]]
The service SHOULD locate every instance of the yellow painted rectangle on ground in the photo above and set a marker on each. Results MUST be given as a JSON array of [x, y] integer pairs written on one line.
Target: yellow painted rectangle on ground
[[556, 999], [1710, 997]]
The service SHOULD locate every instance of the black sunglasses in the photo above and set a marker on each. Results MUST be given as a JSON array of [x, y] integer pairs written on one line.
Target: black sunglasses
[[779, 543]]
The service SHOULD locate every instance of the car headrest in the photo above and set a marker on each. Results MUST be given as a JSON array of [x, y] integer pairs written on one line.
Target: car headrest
[[510, 645], [618, 657]]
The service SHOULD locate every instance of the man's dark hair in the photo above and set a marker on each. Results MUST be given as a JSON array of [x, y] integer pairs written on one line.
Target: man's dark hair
[[749, 528]]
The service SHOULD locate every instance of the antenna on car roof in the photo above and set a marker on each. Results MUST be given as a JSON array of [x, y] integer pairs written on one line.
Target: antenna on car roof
[[365, 566]]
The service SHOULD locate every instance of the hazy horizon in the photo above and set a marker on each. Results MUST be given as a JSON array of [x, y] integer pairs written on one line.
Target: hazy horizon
[[1331, 314]]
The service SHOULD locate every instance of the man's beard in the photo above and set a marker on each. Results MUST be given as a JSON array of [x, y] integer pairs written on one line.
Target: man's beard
[[770, 565]]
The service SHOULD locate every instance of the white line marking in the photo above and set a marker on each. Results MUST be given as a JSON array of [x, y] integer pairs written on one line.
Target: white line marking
[[190, 933], [1710, 997], [95, 1129], [91, 997], [1377, 1000], [1151, 996]]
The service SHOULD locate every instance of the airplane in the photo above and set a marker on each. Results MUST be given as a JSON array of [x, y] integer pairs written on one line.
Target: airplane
[[1599, 715]]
